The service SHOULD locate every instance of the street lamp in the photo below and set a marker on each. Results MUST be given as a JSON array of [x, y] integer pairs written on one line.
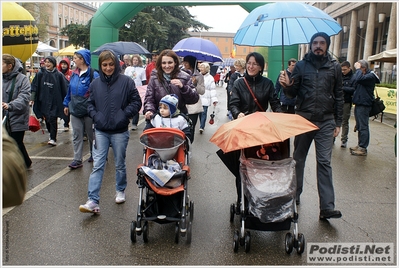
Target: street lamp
[[381, 17], [345, 28], [361, 24]]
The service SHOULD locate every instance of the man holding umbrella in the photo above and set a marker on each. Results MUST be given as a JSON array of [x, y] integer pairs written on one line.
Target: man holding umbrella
[[316, 82]]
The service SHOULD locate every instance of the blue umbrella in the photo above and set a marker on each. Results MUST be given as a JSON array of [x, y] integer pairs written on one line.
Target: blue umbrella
[[284, 23], [201, 49]]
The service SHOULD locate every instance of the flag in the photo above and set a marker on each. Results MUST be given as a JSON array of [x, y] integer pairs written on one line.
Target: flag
[[233, 52]]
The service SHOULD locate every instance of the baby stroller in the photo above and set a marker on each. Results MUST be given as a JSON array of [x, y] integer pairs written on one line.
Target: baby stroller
[[162, 181], [269, 191]]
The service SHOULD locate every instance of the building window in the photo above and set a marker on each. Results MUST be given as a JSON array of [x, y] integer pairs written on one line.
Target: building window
[[60, 22]]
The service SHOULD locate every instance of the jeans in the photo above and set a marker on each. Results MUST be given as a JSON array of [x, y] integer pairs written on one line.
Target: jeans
[[203, 116], [119, 143], [81, 125], [362, 125], [323, 140], [345, 121]]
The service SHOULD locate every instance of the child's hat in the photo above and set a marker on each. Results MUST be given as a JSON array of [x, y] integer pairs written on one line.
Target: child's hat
[[171, 100]]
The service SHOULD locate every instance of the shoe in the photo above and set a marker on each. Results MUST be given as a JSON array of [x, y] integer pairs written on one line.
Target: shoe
[[52, 143], [343, 144], [329, 213], [134, 127], [360, 151], [90, 159], [353, 148], [85, 138], [201, 130], [66, 129], [355, 129], [120, 197], [75, 164], [90, 207]]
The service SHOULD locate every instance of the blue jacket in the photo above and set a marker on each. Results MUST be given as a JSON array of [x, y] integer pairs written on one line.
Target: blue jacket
[[79, 85], [364, 90], [113, 101]]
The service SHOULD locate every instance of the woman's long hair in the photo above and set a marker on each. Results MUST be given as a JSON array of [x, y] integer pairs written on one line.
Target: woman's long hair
[[160, 72]]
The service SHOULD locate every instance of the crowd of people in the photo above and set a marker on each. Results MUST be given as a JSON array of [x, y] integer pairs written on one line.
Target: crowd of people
[[101, 104]]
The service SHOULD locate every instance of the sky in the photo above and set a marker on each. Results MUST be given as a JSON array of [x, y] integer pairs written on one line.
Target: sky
[[225, 18]]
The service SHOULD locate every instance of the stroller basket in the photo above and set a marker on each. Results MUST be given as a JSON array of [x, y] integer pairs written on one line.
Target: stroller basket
[[164, 141]]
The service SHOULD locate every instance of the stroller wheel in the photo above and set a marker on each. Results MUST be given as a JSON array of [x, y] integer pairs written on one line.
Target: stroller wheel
[[191, 210], [247, 241], [232, 212], [177, 233], [145, 232], [133, 231], [301, 243], [236, 240], [189, 232], [289, 243]]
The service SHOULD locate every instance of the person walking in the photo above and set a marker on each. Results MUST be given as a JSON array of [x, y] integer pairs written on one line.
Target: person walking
[[151, 66], [113, 100], [316, 81], [348, 86], [48, 92], [194, 110], [239, 67], [209, 97], [76, 102], [243, 103], [226, 81], [287, 104], [363, 97], [137, 73], [64, 67], [15, 102], [166, 79]]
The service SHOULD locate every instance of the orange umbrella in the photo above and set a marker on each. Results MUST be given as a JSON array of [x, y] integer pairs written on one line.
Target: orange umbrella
[[260, 128]]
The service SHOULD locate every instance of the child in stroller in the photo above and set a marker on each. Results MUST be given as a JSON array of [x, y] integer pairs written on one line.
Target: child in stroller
[[163, 175]]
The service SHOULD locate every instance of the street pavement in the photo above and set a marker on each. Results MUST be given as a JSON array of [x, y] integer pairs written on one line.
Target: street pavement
[[48, 229]]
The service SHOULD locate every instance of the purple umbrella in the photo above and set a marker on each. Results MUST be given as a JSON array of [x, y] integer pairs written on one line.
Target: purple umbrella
[[201, 49], [122, 48]]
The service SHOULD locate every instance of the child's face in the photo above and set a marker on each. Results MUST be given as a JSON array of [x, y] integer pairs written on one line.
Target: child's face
[[164, 110]]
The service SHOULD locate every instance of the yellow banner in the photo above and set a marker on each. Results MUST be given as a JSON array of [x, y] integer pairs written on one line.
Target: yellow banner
[[388, 95]]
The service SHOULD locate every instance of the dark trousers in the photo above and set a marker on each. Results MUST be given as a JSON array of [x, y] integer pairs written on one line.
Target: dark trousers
[[362, 125], [194, 119], [52, 127], [18, 136], [135, 119], [323, 141]]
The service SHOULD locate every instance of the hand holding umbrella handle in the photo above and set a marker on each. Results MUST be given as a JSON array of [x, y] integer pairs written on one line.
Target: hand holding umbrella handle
[[284, 80]]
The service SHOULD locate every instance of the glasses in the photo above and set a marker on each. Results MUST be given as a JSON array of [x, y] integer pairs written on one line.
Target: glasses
[[250, 64]]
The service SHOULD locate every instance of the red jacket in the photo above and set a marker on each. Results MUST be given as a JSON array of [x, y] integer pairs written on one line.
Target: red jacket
[[68, 72]]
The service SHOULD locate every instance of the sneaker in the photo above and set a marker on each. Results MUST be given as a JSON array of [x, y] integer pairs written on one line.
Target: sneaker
[[90, 159], [75, 164], [84, 137], [66, 129], [90, 207], [343, 144], [52, 143], [120, 197], [329, 213], [354, 148], [134, 127], [201, 130], [360, 151]]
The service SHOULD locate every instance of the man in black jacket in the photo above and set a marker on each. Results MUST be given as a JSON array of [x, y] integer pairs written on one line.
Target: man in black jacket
[[348, 87], [316, 82]]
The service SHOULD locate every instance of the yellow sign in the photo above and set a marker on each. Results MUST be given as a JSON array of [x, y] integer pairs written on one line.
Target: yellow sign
[[389, 96], [20, 33]]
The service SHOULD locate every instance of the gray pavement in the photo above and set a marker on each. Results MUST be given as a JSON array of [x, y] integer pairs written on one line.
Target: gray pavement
[[48, 229]]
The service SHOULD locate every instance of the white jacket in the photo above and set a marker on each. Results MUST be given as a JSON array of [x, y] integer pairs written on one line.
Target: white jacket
[[209, 97]]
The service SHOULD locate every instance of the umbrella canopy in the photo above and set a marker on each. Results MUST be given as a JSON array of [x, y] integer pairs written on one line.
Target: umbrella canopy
[[385, 56], [42, 47], [284, 23], [260, 128], [122, 48], [68, 51], [201, 49], [226, 62]]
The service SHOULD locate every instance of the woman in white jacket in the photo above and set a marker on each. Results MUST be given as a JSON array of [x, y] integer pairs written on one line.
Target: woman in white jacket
[[209, 97]]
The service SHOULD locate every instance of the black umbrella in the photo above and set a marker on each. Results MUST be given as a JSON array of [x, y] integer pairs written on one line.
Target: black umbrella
[[122, 48]]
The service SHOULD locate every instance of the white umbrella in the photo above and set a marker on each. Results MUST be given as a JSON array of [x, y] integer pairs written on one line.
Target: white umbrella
[[42, 47]]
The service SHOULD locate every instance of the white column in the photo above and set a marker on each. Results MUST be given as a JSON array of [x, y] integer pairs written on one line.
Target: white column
[[337, 41], [391, 41], [368, 44], [352, 38]]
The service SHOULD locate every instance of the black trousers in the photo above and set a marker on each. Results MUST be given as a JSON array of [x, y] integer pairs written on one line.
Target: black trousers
[[18, 136]]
